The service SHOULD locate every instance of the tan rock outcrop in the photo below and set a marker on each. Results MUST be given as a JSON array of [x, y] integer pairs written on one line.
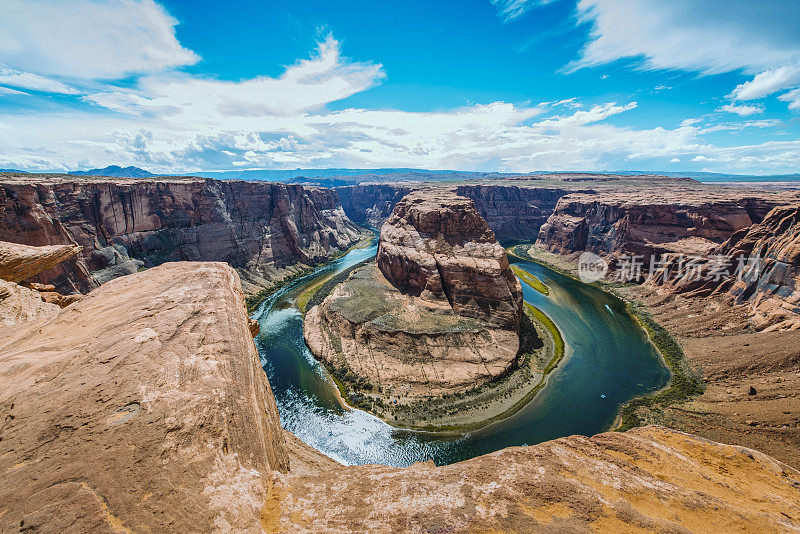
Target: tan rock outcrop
[[141, 408], [18, 304], [404, 347], [436, 246], [438, 313], [20, 262], [646, 480]]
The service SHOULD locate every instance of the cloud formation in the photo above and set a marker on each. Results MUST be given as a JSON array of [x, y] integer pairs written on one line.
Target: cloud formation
[[92, 39], [27, 80], [167, 120], [742, 110]]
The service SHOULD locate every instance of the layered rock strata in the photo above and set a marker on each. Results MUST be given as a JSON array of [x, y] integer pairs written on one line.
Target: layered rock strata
[[265, 230], [651, 222], [144, 408], [20, 262], [436, 246], [758, 267], [32, 301], [438, 312], [512, 212]]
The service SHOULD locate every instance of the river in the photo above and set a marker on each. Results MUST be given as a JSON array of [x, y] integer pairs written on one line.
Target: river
[[608, 361]]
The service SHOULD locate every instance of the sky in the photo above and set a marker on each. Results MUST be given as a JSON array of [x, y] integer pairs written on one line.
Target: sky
[[488, 85]]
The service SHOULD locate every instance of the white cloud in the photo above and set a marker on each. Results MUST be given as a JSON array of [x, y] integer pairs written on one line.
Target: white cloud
[[8, 91], [711, 37], [793, 97], [308, 84], [509, 10], [744, 111], [675, 160], [27, 80], [90, 39], [767, 83]]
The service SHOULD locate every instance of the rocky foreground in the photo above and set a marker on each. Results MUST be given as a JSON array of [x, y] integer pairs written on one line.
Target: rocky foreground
[[437, 314], [143, 407]]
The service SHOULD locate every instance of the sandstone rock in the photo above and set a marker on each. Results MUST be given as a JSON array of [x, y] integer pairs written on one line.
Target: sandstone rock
[[404, 347], [20, 304], [141, 408], [438, 313], [255, 327], [512, 212], [436, 246], [648, 479], [20, 262], [265, 230], [768, 253], [650, 222]]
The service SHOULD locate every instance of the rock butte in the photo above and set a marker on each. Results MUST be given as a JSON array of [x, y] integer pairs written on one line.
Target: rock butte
[[438, 313], [143, 407]]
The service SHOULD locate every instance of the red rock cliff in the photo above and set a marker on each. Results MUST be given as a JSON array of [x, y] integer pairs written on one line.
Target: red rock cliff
[[435, 245], [260, 228]]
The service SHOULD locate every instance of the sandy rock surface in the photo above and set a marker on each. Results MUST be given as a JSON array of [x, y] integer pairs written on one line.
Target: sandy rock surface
[[143, 407], [20, 262], [647, 480]]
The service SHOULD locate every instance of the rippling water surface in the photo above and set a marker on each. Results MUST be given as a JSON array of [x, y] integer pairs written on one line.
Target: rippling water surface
[[608, 361]]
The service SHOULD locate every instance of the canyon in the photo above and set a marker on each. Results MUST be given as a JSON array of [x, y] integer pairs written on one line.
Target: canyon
[[437, 314], [266, 231], [154, 374], [155, 378]]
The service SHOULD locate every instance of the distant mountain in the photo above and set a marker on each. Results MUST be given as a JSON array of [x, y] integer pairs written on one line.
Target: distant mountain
[[13, 170], [717, 176], [116, 171], [305, 175]]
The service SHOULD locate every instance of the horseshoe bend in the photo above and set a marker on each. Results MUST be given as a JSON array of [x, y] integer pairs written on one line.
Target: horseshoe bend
[[143, 404]]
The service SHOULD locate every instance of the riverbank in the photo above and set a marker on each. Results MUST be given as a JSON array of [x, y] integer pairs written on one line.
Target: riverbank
[[684, 382], [542, 347], [252, 301]]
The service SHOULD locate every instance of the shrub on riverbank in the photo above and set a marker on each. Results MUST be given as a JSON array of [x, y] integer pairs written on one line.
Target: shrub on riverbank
[[684, 383]]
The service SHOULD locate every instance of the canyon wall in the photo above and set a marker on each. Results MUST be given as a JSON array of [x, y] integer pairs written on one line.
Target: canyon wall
[[143, 407], [511, 212], [265, 230], [759, 268], [650, 222]]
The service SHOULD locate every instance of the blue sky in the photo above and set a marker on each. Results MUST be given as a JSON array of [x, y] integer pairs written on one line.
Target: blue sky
[[508, 85]]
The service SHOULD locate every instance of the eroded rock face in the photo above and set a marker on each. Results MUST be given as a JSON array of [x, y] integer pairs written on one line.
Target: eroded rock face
[[144, 408], [20, 262], [141, 407], [404, 347], [511, 212], [437, 313], [20, 304], [768, 254], [649, 222], [265, 230], [436, 246], [650, 479]]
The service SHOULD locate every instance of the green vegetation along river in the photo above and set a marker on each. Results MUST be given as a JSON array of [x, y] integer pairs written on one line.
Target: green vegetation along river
[[608, 361]]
